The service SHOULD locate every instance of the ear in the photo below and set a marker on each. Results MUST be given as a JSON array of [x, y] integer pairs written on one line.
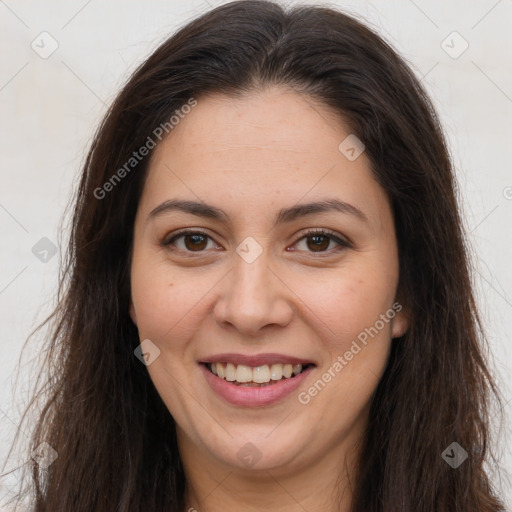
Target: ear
[[133, 315], [400, 321]]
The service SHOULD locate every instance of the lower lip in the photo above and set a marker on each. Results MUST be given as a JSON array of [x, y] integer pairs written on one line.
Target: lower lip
[[257, 396]]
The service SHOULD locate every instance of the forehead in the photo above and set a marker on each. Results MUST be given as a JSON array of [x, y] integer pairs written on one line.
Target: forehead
[[277, 122], [263, 148]]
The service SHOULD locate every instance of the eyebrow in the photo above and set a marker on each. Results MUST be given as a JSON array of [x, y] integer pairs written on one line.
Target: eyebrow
[[285, 215]]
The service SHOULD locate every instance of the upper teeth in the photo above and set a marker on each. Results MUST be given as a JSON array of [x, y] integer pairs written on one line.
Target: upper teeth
[[258, 374]]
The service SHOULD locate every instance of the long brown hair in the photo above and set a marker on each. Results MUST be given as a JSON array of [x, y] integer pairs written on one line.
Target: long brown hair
[[114, 437]]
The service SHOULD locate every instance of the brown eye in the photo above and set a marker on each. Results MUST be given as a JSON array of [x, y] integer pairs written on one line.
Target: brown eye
[[322, 241], [189, 241], [318, 242], [195, 242]]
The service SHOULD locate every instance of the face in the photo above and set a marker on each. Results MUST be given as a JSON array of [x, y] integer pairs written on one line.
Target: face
[[296, 304]]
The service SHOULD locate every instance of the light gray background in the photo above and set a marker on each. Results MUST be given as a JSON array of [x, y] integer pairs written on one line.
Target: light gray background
[[51, 106]]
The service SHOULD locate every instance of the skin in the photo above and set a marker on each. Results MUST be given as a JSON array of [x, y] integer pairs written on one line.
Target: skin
[[252, 156]]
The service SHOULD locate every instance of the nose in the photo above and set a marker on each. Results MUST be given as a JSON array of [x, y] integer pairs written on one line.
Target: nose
[[253, 297]]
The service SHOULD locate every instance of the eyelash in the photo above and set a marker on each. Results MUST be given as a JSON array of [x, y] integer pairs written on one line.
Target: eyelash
[[342, 244]]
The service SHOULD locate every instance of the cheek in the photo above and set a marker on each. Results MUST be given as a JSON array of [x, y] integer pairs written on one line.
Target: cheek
[[169, 302], [166, 304], [159, 300], [348, 302], [353, 317]]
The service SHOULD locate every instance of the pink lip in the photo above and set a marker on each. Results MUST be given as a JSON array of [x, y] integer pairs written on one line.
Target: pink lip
[[255, 360], [246, 396]]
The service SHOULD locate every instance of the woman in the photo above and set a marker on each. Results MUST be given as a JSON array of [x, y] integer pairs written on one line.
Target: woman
[[267, 303]]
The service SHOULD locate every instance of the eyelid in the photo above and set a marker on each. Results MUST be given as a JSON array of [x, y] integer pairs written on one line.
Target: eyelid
[[342, 241]]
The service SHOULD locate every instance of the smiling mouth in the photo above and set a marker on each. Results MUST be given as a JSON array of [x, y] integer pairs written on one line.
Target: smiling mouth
[[258, 376]]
